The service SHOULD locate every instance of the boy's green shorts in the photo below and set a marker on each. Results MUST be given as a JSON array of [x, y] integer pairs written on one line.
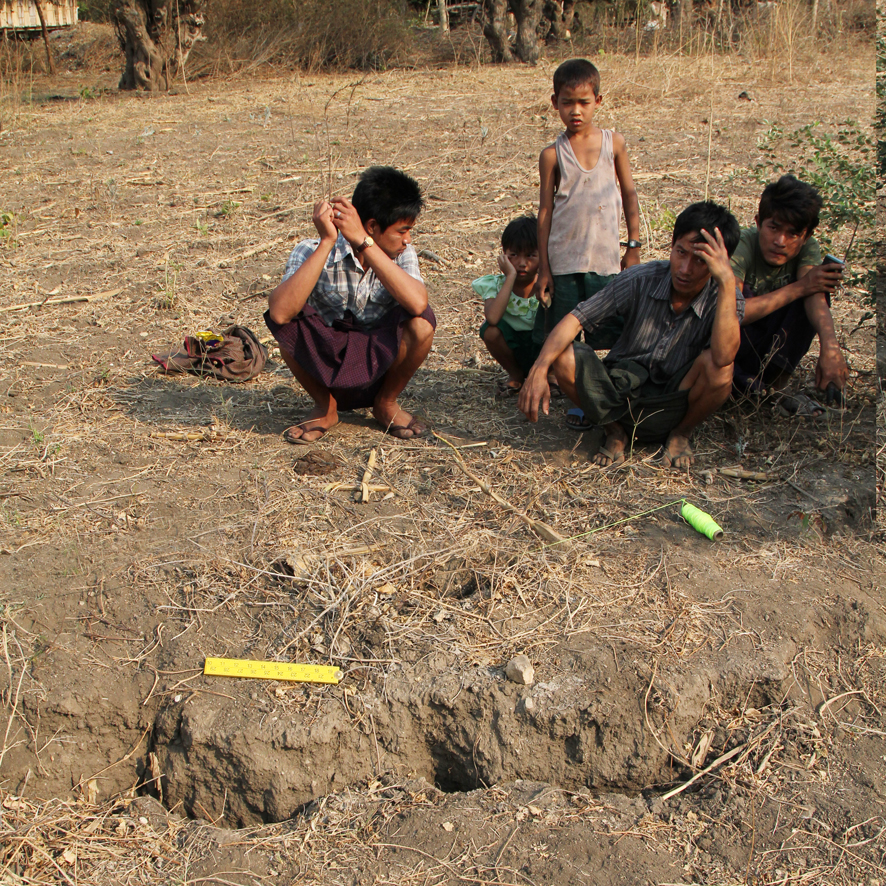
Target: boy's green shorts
[[569, 291], [520, 342]]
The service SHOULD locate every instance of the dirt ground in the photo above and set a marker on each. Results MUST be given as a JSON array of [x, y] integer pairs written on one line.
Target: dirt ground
[[147, 522]]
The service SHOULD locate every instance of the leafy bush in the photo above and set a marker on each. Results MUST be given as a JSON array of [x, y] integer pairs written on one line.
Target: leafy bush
[[840, 165], [365, 34]]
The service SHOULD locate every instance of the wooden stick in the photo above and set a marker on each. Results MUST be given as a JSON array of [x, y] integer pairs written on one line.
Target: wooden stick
[[742, 474], [61, 301], [542, 530], [363, 493], [373, 487], [718, 762], [183, 436]]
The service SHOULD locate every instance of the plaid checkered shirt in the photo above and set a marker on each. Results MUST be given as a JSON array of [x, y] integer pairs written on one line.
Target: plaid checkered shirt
[[654, 336], [344, 285]]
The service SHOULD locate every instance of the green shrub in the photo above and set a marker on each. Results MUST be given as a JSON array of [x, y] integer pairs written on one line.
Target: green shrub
[[840, 164]]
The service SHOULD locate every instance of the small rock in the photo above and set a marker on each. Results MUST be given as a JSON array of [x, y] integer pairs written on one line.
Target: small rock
[[520, 670], [529, 705], [448, 826]]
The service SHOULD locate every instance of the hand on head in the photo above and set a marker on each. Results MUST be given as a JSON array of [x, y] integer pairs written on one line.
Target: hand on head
[[346, 220], [712, 250], [505, 266]]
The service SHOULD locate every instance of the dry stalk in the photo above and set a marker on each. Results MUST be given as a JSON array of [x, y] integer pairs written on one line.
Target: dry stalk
[[542, 530], [362, 495]]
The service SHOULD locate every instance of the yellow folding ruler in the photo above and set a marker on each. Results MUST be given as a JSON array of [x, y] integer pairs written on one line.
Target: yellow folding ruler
[[271, 670]]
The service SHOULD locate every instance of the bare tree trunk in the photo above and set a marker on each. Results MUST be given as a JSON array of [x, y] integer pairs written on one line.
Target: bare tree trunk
[[42, 18], [561, 14], [528, 15], [495, 29], [568, 17], [444, 16], [681, 15], [156, 37]]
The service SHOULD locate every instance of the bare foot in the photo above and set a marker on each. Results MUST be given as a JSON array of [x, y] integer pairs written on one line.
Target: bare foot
[[510, 387], [677, 452], [312, 427], [612, 452], [398, 423]]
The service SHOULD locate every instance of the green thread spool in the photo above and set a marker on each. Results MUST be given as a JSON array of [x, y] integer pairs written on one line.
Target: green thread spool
[[700, 521]]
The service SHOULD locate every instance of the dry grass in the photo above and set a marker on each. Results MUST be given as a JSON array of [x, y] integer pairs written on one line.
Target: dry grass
[[183, 209]]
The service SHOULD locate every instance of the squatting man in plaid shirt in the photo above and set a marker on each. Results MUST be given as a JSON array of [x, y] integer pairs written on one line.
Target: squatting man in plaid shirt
[[671, 367], [351, 314]]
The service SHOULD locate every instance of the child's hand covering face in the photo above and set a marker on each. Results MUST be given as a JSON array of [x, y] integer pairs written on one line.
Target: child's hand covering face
[[505, 266]]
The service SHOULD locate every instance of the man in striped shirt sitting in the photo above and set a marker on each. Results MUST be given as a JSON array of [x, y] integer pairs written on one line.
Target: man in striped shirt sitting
[[672, 365]]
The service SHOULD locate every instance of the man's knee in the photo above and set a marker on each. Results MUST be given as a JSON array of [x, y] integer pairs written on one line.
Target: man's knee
[[706, 378], [564, 366], [714, 377], [419, 330]]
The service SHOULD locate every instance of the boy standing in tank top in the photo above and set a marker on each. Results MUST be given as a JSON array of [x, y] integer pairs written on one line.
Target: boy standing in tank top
[[585, 182]]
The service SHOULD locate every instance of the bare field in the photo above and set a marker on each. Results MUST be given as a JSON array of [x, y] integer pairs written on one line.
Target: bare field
[[147, 522]]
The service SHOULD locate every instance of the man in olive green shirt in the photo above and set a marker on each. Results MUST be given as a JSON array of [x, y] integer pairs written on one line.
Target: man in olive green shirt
[[787, 289]]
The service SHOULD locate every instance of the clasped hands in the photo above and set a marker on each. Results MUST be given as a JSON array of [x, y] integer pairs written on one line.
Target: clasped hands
[[338, 215]]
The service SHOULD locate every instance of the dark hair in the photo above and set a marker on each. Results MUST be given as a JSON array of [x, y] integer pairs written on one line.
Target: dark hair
[[791, 202], [576, 72], [387, 195], [707, 215], [521, 235]]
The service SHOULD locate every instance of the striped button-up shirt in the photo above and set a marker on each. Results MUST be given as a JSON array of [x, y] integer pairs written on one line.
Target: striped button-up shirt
[[344, 285], [654, 335]]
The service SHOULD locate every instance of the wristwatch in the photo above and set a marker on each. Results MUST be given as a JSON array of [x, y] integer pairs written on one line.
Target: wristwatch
[[365, 245], [632, 244]]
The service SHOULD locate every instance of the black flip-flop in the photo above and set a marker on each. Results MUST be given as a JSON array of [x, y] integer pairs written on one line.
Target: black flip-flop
[[799, 405], [577, 420], [298, 441]]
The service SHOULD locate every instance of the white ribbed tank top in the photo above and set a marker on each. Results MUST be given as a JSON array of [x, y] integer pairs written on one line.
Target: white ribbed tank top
[[587, 212]]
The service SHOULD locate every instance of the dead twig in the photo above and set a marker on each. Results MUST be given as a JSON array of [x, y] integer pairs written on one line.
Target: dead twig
[[542, 530]]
